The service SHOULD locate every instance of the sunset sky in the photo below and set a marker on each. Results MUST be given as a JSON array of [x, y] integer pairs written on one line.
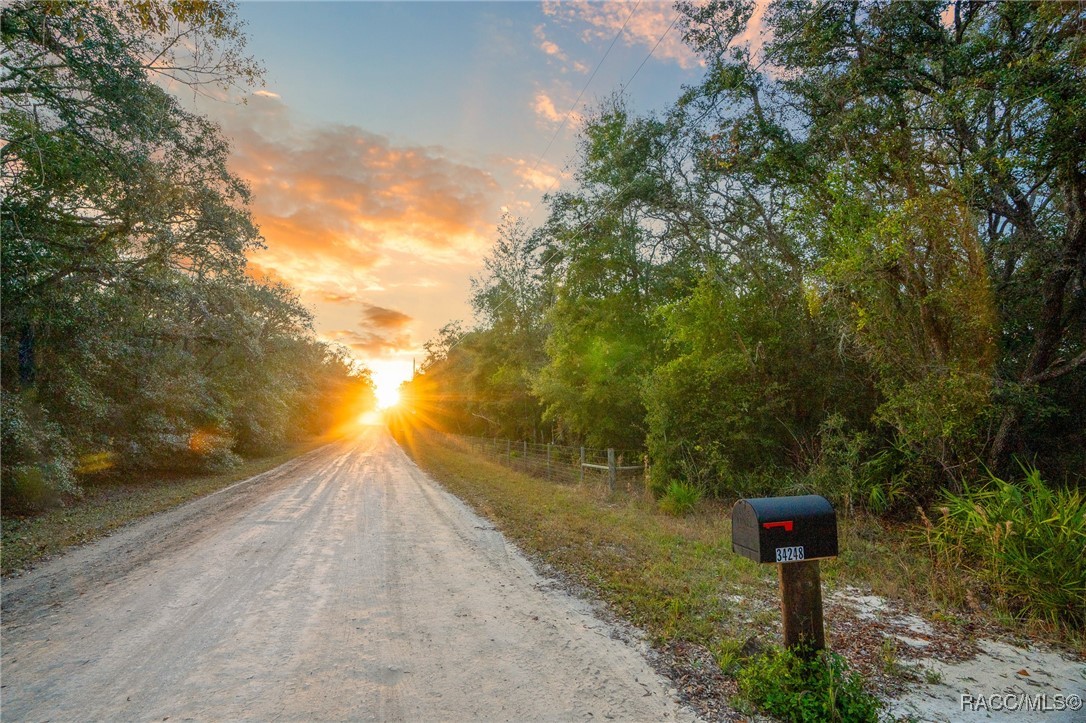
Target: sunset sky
[[390, 137]]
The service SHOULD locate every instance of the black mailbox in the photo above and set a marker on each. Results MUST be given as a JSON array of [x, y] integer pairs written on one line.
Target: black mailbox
[[784, 529]]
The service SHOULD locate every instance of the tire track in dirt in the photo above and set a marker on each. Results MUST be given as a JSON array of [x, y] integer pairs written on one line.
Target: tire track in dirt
[[343, 585]]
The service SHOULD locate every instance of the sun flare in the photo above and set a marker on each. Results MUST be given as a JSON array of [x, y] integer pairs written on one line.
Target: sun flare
[[387, 395], [387, 377]]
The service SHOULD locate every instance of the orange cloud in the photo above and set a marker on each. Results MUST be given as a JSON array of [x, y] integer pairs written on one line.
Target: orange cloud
[[383, 331], [544, 107], [551, 48], [335, 203], [547, 46], [370, 343], [538, 177]]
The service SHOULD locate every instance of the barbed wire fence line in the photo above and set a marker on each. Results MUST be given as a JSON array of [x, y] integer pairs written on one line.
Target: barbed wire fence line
[[615, 469]]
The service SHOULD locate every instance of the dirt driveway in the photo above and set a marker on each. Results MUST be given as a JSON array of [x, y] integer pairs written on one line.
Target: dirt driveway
[[342, 585]]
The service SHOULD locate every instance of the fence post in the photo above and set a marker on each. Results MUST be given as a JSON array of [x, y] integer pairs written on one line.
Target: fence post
[[525, 443], [611, 471], [581, 468], [508, 452], [548, 460]]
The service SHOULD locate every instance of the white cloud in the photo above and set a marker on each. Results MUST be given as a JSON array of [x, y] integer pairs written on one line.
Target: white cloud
[[649, 21]]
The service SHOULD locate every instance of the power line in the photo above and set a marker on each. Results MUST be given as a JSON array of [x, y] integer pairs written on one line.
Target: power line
[[573, 107], [586, 224], [639, 67], [606, 206], [654, 47]]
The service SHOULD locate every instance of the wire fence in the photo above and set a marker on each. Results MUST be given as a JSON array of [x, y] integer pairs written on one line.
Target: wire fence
[[614, 468]]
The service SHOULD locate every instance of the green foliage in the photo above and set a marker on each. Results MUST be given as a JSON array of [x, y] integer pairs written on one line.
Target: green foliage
[[1025, 540], [132, 336], [807, 689], [602, 341], [918, 298], [36, 456], [748, 382], [680, 498], [849, 469], [850, 263]]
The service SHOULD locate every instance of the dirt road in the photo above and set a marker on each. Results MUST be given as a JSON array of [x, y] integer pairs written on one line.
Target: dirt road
[[342, 585]]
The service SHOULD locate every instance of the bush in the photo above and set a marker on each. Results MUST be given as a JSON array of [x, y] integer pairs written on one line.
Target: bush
[[847, 470], [1026, 541], [784, 684], [680, 498], [37, 459]]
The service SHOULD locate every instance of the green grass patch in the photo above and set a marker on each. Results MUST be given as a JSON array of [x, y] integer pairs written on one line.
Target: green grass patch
[[109, 503], [680, 498]]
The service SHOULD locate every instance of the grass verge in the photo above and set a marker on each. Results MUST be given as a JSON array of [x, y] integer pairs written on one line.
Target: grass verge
[[108, 504], [674, 577]]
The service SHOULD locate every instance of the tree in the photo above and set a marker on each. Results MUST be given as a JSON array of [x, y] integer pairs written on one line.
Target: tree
[[511, 298], [131, 334], [972, 113]]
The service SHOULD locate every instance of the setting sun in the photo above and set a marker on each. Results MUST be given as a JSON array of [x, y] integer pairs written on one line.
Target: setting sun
[[388, 395], [388, 375]]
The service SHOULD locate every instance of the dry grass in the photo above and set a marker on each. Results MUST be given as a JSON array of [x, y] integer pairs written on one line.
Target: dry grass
[[110, 503], [675, 577]]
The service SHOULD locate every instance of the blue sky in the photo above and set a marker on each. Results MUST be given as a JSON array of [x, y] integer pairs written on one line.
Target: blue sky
[[389, 138]]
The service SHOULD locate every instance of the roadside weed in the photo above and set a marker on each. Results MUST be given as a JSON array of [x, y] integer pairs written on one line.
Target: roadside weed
[[680, 498], [817, 689], [1025, 542]]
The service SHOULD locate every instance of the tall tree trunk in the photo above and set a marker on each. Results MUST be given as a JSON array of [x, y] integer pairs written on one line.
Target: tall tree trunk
[[1044, 363]]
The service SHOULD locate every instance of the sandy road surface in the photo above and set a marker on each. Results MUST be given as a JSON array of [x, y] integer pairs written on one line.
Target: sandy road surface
[[343, 585]]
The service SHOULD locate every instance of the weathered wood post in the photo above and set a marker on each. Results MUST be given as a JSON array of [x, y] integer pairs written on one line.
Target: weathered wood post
[[525, 444], [648, 475], [548, 460], [508, 452], [801, 605], [612, 473], [581, 468], [795, 533]]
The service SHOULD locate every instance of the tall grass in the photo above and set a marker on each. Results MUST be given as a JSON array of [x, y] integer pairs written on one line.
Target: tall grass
[[1025, 541]]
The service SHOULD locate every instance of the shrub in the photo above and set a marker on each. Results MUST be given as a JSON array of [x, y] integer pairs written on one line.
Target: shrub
[[849, 469], [37, 459], [1026, 541], [792, 687], [680, 498]]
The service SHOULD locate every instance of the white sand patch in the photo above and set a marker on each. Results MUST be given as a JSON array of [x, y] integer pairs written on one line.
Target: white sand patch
[[1001, 683], [997, 681]]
